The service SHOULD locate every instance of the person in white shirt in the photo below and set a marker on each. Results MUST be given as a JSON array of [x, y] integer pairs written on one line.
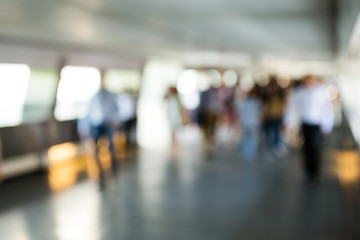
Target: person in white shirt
[[310, 107], [103, 118]]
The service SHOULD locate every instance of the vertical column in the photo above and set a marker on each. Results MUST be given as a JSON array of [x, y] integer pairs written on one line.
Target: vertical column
[[51, 130], [153, 130]]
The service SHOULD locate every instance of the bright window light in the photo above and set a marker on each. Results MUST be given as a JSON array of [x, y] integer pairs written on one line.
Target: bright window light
[[76, 87], [246, 82], [191, 101], [203, 82], [187, 86], [230, 78], [118, 81], [14, 79], [153, 128], [187, 83], [40, 95], [214, 77]]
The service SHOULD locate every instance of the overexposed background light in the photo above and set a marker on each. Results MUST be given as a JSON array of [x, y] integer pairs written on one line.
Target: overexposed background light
[[230, 78], [214, 77], [76, 87], [121, 80], [78, 83], [40, 95], [246, 82], [262, 79], [203, 82], [14, 79], [187, 87], [191, 101], [153, 126], [187, 83]]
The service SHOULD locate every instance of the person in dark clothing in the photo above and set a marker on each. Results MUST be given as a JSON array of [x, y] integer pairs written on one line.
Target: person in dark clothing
[[208, 112]]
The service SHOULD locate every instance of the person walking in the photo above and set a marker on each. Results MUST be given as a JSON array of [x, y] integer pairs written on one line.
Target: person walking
[[310, 107], [103, 118]]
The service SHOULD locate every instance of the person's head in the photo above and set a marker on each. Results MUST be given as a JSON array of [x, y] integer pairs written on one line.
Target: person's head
[[309, 80], [172, 90]]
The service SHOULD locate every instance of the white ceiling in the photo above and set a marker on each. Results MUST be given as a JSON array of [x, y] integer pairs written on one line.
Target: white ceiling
[[297, 29]]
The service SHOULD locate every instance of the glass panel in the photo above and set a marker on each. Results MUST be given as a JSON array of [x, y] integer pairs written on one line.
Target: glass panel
[[14, 80], [40, 95], [118, 81], [77, 85]]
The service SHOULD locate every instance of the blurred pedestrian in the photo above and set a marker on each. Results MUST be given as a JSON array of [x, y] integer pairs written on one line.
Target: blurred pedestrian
[[310, 106], [249, 116], [274, 104], [103, 119], [208, 113], [176, 117]]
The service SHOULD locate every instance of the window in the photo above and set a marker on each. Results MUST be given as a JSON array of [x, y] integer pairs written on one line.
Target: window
[[14, 79], [118, 81], [77, 85], [187, 86], [40, 95]]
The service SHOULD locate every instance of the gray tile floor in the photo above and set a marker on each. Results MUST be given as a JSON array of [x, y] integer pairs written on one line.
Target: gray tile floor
[[156, 197]]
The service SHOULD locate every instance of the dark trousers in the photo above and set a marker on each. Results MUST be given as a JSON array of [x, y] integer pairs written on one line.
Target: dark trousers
[[207, 122], [129, 126], [312, 150], [272, 132], [96, 132]]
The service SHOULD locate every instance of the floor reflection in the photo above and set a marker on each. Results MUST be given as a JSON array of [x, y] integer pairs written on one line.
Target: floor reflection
[[77, 217], [67, 161], [348, 168], [348, 173], [158, 197]]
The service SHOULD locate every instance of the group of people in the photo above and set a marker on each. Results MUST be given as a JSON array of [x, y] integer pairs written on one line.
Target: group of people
[[272, 113]]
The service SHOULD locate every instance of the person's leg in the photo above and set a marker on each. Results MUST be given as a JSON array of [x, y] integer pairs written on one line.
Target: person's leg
[[110, 134], [174, 145], [276, 132], [212, 126], [312, 144], [245, 145], [315, 152], [207, 130], [268, 133], [249, 144], [95, 134]]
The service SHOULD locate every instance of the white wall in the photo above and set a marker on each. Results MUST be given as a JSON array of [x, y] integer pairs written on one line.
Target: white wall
[[348, 13]]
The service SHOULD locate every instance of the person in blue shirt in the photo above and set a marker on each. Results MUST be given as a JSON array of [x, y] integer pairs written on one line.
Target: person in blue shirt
[[103, 118]]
